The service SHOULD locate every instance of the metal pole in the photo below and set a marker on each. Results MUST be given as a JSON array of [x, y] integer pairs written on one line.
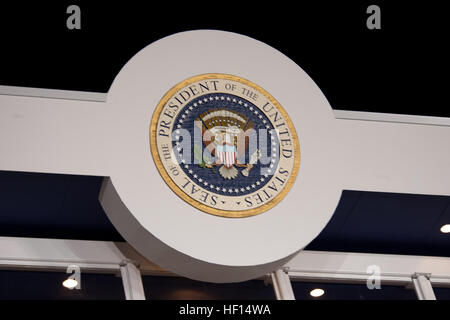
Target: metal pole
[[422, 285], [282, 285], [132, 281]]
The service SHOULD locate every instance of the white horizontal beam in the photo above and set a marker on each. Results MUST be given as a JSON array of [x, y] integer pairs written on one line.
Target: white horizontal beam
[[51, 135], [48, 254], [339, 114], [346, 266], [53, 252], [53, 93], [48, 265], [326, 266], [311, 276]]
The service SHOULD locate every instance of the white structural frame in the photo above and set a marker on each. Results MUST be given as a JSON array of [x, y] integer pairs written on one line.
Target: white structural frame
[[377, 178], [423, 287], [282, 285], [104, 257], [132, 281], [339, 114], [32, 254]]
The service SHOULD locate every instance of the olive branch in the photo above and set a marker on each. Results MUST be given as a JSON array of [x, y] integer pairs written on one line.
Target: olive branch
[[203, 160]]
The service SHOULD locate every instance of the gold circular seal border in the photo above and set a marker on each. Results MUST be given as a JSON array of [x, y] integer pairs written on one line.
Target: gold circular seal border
[[175, 188]]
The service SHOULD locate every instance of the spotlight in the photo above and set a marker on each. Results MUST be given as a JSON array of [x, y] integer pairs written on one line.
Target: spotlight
[[70, 283], [316, 293]]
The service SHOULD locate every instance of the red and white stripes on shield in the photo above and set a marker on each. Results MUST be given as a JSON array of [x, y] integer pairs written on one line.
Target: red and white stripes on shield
[[226, 155]]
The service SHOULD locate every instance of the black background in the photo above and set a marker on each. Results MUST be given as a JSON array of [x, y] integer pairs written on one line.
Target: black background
[[401, 68], [279, 309]]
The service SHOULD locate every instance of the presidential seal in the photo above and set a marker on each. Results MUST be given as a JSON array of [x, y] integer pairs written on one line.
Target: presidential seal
[[224, 145]]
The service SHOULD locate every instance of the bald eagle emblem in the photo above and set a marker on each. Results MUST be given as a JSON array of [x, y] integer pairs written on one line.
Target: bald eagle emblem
[[226, 136]]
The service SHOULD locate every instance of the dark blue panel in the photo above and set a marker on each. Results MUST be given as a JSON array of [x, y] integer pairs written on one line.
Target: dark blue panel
[[442, 293], [378, 222], [392, 223], [34, 196], [393, 217], [67, 207], [332, 232], [437, 241], [53, 206]]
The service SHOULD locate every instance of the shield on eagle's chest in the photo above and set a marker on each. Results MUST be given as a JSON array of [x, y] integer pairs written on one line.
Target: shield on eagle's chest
[[226, 154], [225, 138]]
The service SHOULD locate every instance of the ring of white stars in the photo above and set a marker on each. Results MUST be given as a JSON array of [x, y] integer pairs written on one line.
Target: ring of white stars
[[194, 176]]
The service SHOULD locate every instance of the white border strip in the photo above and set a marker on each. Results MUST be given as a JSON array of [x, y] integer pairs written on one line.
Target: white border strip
[[391, 117], [105, 256], [48, 265], [53, 93], [339, 114]]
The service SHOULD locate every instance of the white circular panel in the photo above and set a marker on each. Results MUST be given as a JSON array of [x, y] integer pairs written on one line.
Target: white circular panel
[[168, 230]]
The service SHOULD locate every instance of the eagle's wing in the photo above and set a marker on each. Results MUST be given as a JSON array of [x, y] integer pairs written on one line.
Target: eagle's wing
[[207, 138], [243, 140]]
